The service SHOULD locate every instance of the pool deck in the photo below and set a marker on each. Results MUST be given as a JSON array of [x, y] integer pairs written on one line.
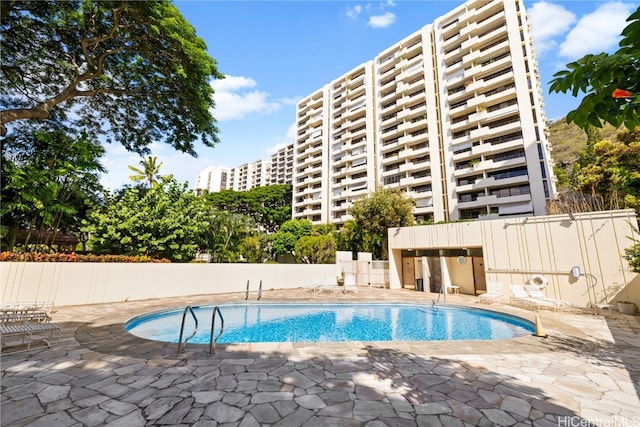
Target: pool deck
[[586, 373]]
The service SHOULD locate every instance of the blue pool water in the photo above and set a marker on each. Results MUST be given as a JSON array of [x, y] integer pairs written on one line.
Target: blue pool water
[[333, 322]]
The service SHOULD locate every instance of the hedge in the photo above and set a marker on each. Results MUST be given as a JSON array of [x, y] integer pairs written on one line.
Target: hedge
[[72, 257]]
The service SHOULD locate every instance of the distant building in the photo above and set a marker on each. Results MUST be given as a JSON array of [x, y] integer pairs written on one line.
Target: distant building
[[212, 179], [451, 115], [277, 169]]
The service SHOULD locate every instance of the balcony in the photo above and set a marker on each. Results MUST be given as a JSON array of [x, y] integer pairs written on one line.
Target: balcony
[[454, 78], [521, 198], [477, 101], [498, 80], [500, 112], [481, 132], [452, 53], [413, 86], [388, 84], [392, 186], [387, 96], [388, 107], [418, 109], [470, 43], [478, 116], [505, 146], [461, 107], [500, 96], [501, 45], [471, 204], [506, 128], [339, 173], [472, 57], [461, 124], [495, 64], [468, 29], [315, 180], [491, 18], [504, 164], [492, 35], [452, 68], [412, 180], [492, 182]]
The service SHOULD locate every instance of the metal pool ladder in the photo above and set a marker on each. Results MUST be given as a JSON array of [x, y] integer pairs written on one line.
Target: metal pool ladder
[[246, 295], [435, 303], [212, 341], [181, 347]]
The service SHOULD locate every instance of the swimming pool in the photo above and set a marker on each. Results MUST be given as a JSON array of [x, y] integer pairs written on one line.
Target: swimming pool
[[333, 323]]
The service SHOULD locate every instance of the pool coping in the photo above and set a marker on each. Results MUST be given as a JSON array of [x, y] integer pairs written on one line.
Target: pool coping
[[107, 334], [525, 326]]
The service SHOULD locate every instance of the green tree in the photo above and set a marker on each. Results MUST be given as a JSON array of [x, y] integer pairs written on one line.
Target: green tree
[[49, 181], [269, 206], [149, 172], [316, 249], [350, 237], [166, 221], [290, 232], [324, 230], [614, 174], [251, 249], [381, 210], [133, 70], [611, 83], [226, 234]]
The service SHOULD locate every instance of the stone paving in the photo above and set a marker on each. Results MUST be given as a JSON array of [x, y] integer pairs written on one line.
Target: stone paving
[[587, 372]]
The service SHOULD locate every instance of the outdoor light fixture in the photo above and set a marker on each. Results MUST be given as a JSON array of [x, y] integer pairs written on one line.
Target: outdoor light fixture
[[575, 272]]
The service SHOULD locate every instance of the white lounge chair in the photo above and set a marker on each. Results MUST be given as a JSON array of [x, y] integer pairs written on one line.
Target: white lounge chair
[[350, 284], [537, 294], [493, 294], [519, 295], [329, 285]]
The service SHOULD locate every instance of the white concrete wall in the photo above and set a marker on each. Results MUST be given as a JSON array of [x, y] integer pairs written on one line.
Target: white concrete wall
[[93, 283], [516, 248]]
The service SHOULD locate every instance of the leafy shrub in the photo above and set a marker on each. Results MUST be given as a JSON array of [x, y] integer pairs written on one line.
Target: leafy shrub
[[72, 257]]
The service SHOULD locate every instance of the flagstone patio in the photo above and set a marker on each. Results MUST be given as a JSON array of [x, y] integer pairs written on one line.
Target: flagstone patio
[[586, 371]]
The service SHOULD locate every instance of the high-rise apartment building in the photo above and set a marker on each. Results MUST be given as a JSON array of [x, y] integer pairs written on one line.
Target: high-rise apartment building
[[452, 115], [212, 179], [280, 169], [277, 169]]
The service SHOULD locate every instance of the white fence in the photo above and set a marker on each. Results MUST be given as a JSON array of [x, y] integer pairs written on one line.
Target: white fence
[[94, 283]]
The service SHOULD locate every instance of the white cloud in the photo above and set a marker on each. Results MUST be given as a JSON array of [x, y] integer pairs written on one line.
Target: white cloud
[[548, 21], [289, 138], [234, 101], [290, 101], [232, 83], [353, 12], [382, 21], [596, 32]]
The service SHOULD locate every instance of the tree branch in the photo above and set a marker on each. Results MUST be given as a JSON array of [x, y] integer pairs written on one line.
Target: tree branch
[[84, 43]]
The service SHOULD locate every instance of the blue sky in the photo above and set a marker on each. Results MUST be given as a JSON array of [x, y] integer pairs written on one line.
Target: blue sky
[[276, 52]]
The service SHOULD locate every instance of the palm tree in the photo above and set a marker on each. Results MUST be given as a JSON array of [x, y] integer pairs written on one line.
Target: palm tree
[[148, 172]]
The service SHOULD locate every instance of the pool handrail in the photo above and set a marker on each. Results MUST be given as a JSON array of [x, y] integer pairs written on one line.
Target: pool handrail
[[246, 294], [195, 331], [435, 303], [212, 341]]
